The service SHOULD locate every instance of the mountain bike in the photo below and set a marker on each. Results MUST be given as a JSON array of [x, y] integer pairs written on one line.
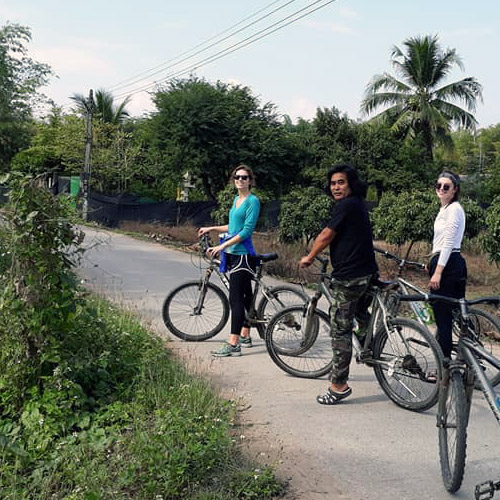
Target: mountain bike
[[199, 309], [455, 396], [485, 327], [406, 358]]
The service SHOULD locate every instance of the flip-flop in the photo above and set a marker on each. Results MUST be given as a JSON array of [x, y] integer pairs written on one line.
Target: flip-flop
[[332, 397]]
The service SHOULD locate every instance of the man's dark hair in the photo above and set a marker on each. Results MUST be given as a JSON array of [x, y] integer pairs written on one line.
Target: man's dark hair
[[358, 187]]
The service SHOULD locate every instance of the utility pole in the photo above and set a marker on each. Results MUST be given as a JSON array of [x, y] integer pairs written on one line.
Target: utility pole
[[85, 182]]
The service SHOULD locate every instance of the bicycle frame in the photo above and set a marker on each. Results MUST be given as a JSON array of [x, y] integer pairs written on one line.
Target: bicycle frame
[[256, 276]]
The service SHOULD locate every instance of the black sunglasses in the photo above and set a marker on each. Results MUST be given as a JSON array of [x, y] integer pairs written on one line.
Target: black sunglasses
[[445, 187], [240, 177]]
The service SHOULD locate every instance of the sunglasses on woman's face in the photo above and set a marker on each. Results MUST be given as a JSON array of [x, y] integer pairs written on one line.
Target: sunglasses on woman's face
[[444, 187], [240, 177]]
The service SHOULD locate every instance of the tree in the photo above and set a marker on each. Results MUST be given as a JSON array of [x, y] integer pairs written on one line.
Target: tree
[[490, 240], [419, 104], [20, 81], [104, 107], [303, 214], [207, 129], [408, 217]]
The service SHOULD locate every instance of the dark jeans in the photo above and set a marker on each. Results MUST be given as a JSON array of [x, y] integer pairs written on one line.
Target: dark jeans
[[240, 288], [453, 282]]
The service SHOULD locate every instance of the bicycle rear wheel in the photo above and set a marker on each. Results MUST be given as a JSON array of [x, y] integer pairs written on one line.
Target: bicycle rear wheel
[[407, 363], [298, 347], [486, 329], [276, 299], [180, 316], [452, 424]]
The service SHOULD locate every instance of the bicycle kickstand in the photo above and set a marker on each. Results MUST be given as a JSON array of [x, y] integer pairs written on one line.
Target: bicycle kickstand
[[486, 490]]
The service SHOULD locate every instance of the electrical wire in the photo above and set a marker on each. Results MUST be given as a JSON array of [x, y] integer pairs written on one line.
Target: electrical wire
[[233, 48], [164, 66]]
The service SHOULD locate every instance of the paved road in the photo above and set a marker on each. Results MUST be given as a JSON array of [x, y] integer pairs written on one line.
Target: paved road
[[365, 448]]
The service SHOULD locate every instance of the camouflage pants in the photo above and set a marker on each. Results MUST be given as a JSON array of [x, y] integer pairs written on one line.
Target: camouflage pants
[[349, 301]]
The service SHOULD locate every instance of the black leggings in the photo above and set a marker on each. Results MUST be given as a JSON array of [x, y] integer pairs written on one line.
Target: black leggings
[[240, 289], [453, 281]]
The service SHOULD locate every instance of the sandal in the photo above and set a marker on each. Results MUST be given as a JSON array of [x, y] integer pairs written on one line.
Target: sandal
[[332, 397]]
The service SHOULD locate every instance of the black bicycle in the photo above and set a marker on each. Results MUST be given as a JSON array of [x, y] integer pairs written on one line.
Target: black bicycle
[[461, 374], [199, 309], [405, 356], [485, 327]]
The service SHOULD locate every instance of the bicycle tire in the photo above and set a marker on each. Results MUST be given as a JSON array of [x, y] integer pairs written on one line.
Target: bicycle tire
[[404, 356], [452, 428], [487, 331], [178, 311], [286, 342], [284, 296]]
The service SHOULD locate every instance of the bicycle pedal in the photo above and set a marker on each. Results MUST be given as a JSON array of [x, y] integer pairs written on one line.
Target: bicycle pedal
[[484, 490], [364, 356]]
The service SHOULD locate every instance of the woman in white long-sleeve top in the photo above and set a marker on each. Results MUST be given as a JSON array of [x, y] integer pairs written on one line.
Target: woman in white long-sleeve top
[[447, 268]]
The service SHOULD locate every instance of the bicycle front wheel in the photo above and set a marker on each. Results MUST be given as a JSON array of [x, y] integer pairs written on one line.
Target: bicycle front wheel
[[196, 311], [273, 301], [486, 329], [452, 422], [407, 363], [298, 345]]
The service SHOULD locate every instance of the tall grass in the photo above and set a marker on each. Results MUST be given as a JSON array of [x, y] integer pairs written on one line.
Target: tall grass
[[161, 434]]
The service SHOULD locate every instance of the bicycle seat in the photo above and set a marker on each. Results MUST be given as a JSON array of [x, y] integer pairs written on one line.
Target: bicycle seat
[[267, 257]]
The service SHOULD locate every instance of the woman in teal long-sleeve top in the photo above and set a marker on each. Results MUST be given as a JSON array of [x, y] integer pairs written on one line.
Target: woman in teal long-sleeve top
[[240, 258]]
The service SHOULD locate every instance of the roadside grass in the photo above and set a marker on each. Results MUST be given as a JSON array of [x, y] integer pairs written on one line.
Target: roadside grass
[[143, 429]]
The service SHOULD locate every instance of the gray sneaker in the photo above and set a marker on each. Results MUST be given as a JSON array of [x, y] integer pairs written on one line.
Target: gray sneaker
[[227, 350], [246, 341]]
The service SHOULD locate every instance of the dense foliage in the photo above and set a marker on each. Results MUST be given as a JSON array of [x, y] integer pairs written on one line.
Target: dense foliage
[[20, 79], [92, 406]]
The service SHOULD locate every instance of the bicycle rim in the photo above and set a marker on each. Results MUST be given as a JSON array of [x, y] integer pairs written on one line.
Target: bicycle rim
[[486, 329], [280, 297], [293, 349], [405, 356], [181, 319], [452, 425]]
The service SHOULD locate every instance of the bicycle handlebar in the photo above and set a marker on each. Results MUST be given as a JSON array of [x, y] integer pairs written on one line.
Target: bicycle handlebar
[[492, 300], [401, 262]]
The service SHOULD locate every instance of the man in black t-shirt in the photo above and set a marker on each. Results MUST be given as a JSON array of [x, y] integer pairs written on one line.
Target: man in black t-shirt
[[349, 235]]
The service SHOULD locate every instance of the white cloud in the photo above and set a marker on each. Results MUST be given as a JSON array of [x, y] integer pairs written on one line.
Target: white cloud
[[336, 28], [348, 13], [72, 60], [302, 107]]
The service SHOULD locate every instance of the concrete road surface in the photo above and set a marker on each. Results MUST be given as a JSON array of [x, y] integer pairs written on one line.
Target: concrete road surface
[[364, 448]]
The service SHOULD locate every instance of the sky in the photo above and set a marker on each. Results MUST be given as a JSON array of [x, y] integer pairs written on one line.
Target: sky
[[323, 60]]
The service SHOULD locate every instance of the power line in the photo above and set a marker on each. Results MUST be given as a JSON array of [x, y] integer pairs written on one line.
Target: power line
[[237, 46], [164, 66]]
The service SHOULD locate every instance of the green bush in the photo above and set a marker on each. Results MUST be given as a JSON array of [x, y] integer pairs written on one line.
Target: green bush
[[303, 214], [490, 240]]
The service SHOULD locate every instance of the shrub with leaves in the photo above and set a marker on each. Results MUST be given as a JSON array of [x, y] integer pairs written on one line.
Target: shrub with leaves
[[38, 297], [490, 240], [409, 216], [303, 214]]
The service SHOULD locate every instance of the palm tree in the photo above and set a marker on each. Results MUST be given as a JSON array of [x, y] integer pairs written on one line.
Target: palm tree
[[104, 107], [417, 105]]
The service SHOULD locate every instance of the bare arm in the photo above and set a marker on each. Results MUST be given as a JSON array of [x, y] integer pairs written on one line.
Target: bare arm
[[320, 243]]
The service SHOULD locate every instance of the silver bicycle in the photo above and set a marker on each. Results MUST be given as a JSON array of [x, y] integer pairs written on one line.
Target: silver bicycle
[[406, 358], [199, 309]]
